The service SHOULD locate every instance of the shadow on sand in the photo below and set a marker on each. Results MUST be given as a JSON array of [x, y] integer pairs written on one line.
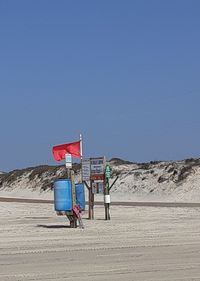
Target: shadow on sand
[[52, 226]]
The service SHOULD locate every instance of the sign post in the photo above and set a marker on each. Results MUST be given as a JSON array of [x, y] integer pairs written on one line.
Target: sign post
[[68, 164], [97, 166], [86, 178], [107, 193], [66, 152], [73, 221], [86, 169], [91, 203], [93, 172], [97, 173]]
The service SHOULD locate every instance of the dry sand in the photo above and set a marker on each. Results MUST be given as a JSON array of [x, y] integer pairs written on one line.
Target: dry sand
[[139, 243]]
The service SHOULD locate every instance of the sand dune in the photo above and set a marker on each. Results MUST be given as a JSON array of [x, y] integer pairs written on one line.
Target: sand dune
[[172, 181]]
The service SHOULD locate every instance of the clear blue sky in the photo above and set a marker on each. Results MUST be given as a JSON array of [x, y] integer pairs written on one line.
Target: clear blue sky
[[123, 73]]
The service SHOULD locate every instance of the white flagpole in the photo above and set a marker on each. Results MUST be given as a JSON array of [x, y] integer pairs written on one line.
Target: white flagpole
[[81, 146], [81, 152]]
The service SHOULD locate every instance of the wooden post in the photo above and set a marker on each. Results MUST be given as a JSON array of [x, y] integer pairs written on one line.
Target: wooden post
[[89, 199], [68, 173], [73, 189], [73, 223], [91, 203], [106, 201], [113, 183]]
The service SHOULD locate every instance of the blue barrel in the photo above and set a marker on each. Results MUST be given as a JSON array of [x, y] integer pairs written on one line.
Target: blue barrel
[[63, 195], [80, 195]]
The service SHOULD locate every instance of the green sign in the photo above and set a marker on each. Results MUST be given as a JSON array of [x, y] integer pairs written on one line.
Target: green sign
[[107, 171]]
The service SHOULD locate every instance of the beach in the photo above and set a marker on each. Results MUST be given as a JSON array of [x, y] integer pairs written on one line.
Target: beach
[[138, 243]]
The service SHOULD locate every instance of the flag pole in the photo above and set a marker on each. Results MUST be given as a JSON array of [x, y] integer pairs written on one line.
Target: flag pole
[[81, 152], [81, 146]]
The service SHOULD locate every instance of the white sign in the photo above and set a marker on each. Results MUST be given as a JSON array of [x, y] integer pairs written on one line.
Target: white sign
[[97, 165], [86, 169], [68, 160], [98, 187], [94, 188]]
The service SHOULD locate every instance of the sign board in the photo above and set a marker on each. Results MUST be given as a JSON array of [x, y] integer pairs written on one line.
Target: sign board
[[86, 169], [97, 177], [68, 160], [93, 169], [107, 171], [98, 187], [97, 165], [94, 188]]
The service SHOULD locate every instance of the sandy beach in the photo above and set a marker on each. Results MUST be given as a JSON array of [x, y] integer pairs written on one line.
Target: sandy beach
[[138, 243], [100, 108]]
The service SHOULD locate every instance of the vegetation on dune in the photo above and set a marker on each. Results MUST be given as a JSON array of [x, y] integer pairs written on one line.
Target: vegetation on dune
[[42, 177]]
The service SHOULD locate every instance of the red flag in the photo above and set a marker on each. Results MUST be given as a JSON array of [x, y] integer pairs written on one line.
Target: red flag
[[72, 148]]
